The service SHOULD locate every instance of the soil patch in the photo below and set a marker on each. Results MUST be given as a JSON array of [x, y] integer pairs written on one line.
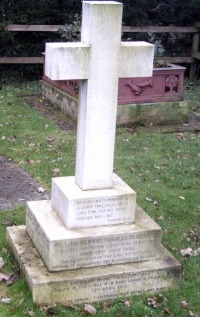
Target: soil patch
[[16, 186]]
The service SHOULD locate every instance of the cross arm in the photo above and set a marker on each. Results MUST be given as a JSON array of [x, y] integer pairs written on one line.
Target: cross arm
[[136, 59], [66, 61]]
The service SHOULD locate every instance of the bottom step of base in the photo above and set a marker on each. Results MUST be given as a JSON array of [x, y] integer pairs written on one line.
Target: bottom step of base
[[90, 284]]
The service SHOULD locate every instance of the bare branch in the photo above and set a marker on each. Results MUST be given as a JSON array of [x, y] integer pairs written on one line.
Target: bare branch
[[158, 6]]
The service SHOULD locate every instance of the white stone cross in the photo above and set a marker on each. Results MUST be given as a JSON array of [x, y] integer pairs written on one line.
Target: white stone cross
[[99, 60]]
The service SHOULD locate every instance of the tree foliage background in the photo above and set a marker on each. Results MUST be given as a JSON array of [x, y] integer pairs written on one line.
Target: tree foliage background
[[136, 13]]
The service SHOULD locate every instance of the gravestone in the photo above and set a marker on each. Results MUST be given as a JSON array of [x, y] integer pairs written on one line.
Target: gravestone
[[91, 241]]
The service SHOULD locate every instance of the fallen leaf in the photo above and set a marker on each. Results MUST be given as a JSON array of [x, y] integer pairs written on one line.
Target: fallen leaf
[[56, 171], [193, 235], [166, 310], [70, 305], [31, 145], [191, 314], [41, 190], [184, 304], [186, 252], [160, 218], [152, 302], [20, 302], [148, 199], [196, 252], [90, 309], [13, 278], [31, 162], [4, 277], [5, 300], [4, 250], [180, 136], [190, 252], [1, 263]]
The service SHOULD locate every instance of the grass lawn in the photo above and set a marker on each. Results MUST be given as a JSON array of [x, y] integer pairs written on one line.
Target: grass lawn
[[163, 168]]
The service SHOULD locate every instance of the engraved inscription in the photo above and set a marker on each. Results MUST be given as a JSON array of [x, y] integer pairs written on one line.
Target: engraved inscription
[[105, 250], [103, 288], [111, 208], [37, 235]]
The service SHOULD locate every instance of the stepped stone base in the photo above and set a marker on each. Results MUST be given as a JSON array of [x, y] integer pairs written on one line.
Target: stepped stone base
[[90, 284], [63, 249]]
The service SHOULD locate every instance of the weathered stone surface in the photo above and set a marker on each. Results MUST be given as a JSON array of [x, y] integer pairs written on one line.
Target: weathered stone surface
[[60, 99], [160, 113], [90, 284], [78, 208], [74, 54], [63, 249]]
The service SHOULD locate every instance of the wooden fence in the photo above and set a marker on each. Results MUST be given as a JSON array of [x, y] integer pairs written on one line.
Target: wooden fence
[[191, 60]]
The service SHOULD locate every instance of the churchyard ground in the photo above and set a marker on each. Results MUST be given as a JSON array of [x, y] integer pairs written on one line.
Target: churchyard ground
[[162, 166]]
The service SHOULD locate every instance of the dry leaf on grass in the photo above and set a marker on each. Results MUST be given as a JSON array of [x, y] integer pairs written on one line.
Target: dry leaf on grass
[[127, 303], [152, 302], [41, 190], [167, 312], [1, 263], [69, 305], [5, 300], [190, 252], [4, 250], [184, 304], [90, 309], [31, 145], [4, 277], [12, 279], [191, 314], [56, 171]]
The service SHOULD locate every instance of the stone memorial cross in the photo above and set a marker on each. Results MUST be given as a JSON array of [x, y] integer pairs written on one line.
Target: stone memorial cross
[[98, 61]]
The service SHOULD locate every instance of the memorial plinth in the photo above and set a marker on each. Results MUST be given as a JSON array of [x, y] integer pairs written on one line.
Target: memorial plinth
[[63, 249], [85, 208], [91, 242], [91, 284]]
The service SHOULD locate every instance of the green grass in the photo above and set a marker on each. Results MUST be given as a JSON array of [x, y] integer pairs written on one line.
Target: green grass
[[162, 167]]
